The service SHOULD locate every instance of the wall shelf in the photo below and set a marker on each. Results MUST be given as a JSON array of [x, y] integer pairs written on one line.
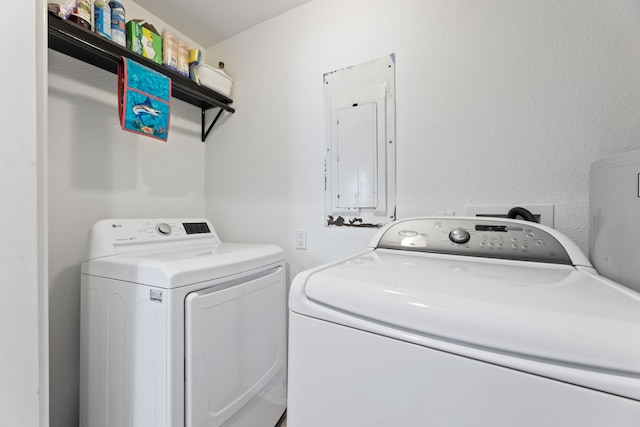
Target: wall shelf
[[75, 41]]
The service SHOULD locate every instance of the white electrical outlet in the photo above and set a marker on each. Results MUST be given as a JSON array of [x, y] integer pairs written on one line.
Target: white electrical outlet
[[301, 239], [544, 213]]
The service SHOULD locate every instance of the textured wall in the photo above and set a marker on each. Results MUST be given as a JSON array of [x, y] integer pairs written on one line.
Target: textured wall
[[498, 102], [98, 171]]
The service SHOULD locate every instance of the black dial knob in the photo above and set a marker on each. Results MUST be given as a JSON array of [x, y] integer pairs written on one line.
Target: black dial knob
[[164, 228], [459, 235]]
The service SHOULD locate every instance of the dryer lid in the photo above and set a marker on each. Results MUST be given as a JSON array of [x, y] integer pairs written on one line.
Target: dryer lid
[[180, 266], [552, 313]]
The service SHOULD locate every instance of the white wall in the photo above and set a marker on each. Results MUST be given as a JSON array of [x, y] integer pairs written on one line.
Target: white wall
[[22, 397], [498, 102], [98, 171]]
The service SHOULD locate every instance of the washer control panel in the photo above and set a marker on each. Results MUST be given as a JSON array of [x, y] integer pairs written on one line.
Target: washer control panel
[[489, 238]]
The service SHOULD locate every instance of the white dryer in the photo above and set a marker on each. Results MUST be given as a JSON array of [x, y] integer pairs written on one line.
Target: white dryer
[[460, 322], [180, 329]]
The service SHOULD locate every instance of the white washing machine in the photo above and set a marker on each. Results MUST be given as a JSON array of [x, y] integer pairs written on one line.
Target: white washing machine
[[460, 322], [180, 329]]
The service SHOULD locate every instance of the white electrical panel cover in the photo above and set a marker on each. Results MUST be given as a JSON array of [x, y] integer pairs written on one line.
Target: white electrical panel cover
[[360, 159]]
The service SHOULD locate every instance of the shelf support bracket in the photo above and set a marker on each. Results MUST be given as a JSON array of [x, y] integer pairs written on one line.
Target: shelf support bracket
[[206, 133]]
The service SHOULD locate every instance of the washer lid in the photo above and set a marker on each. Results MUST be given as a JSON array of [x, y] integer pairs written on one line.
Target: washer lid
[[554, 314], [175, 267]]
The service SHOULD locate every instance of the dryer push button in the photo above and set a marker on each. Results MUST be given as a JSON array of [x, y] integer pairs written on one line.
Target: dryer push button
[[163, 228]]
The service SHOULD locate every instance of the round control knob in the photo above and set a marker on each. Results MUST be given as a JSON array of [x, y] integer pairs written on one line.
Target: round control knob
[[163, 228], [459, 235]]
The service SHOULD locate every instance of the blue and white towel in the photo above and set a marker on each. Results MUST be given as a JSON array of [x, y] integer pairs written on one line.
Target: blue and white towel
[[144, 99]]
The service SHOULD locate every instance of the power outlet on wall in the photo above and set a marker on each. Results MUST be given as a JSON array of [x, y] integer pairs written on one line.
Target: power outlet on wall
[[301, 239], [543, 213]]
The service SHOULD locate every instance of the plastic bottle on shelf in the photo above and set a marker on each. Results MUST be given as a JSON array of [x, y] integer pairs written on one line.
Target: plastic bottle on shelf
[[102, 18], [118, 34]]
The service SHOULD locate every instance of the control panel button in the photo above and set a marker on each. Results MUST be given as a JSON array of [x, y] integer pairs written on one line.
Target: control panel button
[[163, 228], [459, 235]]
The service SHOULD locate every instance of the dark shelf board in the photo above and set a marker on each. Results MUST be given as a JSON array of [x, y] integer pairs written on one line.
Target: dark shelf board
[[73, 40]]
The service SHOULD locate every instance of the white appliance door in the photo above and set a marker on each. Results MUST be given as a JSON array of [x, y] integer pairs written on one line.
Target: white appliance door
[[234, 345]]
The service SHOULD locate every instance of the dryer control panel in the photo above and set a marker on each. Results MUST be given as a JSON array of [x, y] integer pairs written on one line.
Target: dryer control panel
[[488, 238], [113, 236]]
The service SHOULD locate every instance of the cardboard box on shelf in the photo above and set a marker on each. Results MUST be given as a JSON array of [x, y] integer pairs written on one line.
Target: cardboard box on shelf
[[144, 39]]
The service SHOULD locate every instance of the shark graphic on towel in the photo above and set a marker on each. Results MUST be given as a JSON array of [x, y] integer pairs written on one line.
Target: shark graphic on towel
[[145, 100], [145, 109]]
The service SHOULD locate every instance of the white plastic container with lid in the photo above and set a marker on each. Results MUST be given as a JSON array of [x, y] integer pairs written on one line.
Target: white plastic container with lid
[[215, 78]]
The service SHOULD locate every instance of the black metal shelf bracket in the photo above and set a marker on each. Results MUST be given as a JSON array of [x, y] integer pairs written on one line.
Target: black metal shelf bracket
[[205, 134], [77, 42]]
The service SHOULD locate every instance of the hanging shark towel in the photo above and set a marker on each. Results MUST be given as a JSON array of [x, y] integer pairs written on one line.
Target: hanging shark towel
[[144, 99]]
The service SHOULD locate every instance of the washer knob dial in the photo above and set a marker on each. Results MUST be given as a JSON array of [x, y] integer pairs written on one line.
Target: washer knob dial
[[163, 228], [459, 235]]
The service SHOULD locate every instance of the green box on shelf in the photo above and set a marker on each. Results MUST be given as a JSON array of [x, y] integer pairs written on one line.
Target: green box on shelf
[[143, 38]]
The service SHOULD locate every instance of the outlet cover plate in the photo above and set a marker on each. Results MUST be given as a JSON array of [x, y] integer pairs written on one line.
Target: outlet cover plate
[[301, 240]]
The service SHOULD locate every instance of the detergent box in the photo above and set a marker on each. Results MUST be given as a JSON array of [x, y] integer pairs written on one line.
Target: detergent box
[[143, 38]]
